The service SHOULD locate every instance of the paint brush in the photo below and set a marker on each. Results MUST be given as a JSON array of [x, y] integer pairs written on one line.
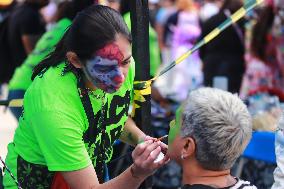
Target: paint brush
[[129, 153], [161, 138]]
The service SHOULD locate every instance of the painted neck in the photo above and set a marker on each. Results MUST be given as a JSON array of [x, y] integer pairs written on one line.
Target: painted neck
[[193, 173]]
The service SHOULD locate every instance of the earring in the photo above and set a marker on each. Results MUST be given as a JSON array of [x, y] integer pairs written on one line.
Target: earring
[[182, 157]]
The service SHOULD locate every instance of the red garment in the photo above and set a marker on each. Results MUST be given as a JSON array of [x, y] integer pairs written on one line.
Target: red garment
[[59, 182]]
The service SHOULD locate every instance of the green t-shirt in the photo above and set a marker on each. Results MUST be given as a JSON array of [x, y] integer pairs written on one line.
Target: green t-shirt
[[21, 79], [155, 59], [54, 134]]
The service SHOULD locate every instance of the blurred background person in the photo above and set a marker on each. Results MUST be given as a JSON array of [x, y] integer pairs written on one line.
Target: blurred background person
[[153, 11], [189, 74], [18, 34], [182, 31], [48, 13], [26, 25], [154, 50], [185, 28], [209, 9], [6, 7], [263, 79], [265, 54], [167, 8], [21, 79], [224, 56]]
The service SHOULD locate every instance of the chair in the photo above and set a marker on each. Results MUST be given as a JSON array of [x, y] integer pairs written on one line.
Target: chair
[[261, 147]]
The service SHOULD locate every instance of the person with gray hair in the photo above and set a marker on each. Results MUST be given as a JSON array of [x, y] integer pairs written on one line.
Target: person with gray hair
[[211, 130]]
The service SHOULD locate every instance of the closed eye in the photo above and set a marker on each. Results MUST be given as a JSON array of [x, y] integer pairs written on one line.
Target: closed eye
[[126, 61]]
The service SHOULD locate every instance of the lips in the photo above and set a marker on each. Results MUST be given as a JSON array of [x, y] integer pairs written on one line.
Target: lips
[[117, 86]]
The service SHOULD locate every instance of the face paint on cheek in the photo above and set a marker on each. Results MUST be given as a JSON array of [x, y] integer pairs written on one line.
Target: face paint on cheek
[[175, 126], [172, 132], [109, 81], [106, 76]]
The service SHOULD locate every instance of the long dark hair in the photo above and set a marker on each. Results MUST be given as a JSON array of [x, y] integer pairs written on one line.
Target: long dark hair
[[260, 32], [91, 30]]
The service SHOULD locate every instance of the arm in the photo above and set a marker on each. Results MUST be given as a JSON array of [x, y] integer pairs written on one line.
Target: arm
[[87, 179], [160, 31], [31, 30], [131, 134], [29, 42], [143, 166]]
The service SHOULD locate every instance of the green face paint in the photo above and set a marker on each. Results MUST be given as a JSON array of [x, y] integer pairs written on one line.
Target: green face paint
[[175, 126]]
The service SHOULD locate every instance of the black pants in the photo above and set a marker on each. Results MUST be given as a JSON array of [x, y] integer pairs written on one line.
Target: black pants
[[229, 66]]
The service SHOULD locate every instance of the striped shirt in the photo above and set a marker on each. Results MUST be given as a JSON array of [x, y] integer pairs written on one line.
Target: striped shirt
[[240, 184]]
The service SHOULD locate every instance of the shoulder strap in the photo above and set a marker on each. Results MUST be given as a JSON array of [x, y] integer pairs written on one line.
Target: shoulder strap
[[85, 99]]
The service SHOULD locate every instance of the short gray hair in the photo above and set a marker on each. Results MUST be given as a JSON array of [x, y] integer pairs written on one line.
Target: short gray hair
[[220, 124]]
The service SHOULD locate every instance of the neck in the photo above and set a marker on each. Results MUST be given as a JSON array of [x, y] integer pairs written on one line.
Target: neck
[[89, 84], [193, 173]]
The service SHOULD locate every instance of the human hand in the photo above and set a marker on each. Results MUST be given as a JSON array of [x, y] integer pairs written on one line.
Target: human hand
[[144, 156], [164, 147]]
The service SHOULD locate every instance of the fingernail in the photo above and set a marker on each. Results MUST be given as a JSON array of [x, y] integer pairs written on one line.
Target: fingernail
[[147, 137]]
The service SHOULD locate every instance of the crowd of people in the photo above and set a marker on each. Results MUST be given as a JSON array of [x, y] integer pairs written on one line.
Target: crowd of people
[[71, 62]]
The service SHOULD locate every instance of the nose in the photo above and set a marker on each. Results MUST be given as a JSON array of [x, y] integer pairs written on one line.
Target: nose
[[118, 79]]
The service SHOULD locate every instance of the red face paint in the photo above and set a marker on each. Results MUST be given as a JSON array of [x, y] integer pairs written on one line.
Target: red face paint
[[112, 52]]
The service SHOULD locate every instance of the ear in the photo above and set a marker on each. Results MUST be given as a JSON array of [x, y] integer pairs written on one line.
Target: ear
[[188, 147], [73, 59]]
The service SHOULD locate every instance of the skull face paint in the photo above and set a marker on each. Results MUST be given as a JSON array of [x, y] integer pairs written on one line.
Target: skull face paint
[[104, 69]]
